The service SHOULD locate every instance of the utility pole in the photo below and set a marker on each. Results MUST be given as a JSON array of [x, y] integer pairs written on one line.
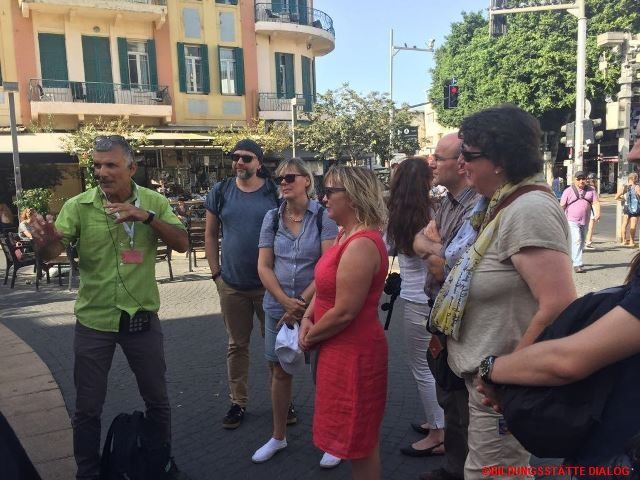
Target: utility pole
[[12, 89], [497, 12]]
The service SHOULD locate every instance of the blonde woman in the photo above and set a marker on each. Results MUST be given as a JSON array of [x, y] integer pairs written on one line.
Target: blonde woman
[[292, 239], [24, 232], [342, 323], [629, 219]]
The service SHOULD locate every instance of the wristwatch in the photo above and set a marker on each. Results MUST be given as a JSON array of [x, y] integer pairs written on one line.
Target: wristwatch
[[150, 218], [485, 369]]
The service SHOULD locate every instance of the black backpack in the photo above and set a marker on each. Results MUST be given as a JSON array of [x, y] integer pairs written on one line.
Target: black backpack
[[133, 450], [555, 422]]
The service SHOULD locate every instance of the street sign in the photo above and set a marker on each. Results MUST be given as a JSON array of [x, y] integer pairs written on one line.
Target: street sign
[[408, 132]]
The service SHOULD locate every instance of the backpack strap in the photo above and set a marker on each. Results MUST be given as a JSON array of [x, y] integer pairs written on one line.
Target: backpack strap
[[578, 196], [276, 221], [319, 217], [518, 193]]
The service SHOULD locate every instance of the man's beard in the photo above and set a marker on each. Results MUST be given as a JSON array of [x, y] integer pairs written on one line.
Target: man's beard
[[244, 174]]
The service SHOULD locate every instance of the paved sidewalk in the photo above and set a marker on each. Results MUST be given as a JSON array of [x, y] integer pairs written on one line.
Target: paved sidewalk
[[38, 327]]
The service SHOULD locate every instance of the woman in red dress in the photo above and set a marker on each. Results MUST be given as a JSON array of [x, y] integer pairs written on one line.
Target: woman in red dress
[[342, 323]]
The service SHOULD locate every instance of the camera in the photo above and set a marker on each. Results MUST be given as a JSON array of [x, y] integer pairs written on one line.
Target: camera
[[392, 287]]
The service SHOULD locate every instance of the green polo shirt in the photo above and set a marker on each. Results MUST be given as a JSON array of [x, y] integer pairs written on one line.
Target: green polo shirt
[[107, 284]]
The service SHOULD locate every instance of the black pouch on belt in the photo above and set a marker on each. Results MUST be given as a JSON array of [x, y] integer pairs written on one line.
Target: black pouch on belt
[[140, 322]]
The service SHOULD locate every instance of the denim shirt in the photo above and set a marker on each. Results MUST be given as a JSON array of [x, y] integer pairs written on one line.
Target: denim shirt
[[294, 258]]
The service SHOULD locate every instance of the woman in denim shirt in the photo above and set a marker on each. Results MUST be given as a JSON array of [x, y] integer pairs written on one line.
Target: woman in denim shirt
[[292, 239]]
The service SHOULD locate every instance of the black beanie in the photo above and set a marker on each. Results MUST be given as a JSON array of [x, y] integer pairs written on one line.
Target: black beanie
[[250, 146]]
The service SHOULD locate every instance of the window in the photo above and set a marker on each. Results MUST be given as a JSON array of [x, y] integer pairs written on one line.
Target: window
[[227, 27], [138, 57], [285, 85], [193, 67], [228, 2], [231, 71]]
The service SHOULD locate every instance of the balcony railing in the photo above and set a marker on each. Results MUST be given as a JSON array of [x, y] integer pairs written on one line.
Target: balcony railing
[[265, 12], [276, 102], [45, 90]]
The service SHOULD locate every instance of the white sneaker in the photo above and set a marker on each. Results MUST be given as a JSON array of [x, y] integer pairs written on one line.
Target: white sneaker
[[268, 450], [329, 461]]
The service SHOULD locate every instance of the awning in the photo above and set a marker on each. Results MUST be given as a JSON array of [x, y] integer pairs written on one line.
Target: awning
[[34, 143], [178, 137]]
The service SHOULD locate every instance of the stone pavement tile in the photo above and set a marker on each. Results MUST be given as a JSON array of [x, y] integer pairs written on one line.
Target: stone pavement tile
[[32, 402], [59, 469], [41, 421], [25, 386], [20, 366], [49, 446], [16, 347]]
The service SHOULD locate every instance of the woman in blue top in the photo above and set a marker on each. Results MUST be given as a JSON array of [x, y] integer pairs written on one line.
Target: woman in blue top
[[292, 239]]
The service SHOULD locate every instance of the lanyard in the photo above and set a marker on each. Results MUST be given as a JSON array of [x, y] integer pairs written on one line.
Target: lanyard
[[130, 229]]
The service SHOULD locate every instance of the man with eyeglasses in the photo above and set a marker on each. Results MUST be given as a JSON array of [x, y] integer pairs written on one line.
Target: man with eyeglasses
[[455, 206], [578, 202], [116, 226], [238, 205]]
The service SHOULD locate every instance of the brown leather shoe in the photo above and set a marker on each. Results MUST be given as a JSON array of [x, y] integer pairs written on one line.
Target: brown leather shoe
[[439, 474]]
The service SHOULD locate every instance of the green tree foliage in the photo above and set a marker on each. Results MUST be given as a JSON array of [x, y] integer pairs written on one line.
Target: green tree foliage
[[533, 65], [273, 138], [81, 142], [36, 198], [345, 124]]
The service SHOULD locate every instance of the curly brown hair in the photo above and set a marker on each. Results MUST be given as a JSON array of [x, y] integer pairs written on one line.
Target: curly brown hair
[[409, 204]]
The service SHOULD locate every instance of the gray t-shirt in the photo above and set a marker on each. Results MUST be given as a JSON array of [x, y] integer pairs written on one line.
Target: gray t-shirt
[[500, 304], [241, 217], [294, 257]]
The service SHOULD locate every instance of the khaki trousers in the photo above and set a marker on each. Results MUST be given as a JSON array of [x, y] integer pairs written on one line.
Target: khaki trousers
[[238, 309], [490, 443]]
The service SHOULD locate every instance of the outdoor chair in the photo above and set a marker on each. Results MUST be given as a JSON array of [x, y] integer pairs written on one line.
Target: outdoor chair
[[16, 258], [164, 253], [195, 231]]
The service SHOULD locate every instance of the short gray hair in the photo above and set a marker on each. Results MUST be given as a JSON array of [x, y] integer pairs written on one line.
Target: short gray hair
[[106, 143]]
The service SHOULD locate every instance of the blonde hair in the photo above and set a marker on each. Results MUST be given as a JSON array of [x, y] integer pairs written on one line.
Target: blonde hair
[[302, 169], [365, 192], [633, 176], [26, 214]]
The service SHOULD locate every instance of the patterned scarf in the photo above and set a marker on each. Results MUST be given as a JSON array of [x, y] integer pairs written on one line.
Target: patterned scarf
[[448, 308]]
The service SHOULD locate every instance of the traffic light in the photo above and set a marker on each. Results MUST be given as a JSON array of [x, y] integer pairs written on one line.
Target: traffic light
[[591, 132], [451, 92], [569, 130]]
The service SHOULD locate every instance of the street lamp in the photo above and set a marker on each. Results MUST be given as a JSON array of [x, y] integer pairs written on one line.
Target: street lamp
[[11, 88]]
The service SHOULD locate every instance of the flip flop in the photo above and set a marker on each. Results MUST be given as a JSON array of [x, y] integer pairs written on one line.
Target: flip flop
[[427, 452]]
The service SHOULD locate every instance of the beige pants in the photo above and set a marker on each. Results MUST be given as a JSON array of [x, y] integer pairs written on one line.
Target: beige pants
[[238, 308], [490, 445]]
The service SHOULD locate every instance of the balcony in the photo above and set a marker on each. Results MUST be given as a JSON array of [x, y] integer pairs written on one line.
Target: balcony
[[63, 97], [273, 106], [144, 10], [307, 24]]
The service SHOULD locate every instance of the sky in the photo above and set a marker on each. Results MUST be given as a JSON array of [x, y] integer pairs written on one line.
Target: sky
[[361, 55]]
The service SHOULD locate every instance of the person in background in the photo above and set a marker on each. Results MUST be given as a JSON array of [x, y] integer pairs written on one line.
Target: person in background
[[182, 210], [629, 219], [577, 201], [24, 232], [342, 323], [592, 182], [499, 295], [409, 210], [292, 239], [6, 218]]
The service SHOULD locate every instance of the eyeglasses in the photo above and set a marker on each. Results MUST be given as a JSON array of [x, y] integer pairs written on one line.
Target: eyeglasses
[[288, 178], [104, 143], [328, 191], [245, 158]]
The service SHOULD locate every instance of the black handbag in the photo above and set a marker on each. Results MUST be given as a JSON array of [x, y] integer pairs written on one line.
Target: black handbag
[[437, 357]]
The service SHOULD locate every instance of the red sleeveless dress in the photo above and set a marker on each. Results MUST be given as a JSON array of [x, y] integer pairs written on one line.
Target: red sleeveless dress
[[351, 377]]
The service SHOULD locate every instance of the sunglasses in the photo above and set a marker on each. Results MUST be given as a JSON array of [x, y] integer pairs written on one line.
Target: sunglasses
[[471, 156], [245, 158], [580, 178], [104, 143], [288, 178], [328, 191]]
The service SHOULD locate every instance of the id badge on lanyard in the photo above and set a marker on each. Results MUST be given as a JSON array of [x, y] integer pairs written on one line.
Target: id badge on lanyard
[[131, 256]]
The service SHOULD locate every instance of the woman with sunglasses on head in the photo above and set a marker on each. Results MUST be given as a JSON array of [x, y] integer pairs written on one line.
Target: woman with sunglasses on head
[[514, 280], [292, 239], [409, 211], [342, 323]]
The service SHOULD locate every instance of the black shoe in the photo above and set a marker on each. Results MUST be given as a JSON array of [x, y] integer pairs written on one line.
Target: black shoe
[[425, 452], [439, 474], [420, 429], [234, 417], [292, 416]]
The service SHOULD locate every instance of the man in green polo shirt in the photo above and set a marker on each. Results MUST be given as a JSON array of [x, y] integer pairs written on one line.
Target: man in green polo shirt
[[116, 226]]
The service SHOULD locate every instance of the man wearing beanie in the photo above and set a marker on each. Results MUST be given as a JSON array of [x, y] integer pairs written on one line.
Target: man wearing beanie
[[236, 207]]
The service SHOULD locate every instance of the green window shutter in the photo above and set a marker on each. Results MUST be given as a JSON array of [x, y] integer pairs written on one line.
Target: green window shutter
[[182, 68], [278, 76], [220, 69], [153, 67], [53, 60], [206, 84], [239, 58], [276, 6], [306, 82], [123, 57], [291, 85]]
